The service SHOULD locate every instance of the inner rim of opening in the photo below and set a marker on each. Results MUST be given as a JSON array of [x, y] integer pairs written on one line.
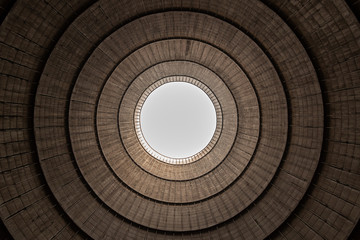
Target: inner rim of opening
[[178, 120]]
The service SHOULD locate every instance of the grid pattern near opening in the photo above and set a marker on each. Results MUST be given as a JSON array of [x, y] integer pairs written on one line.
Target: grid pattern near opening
[[160, 156]]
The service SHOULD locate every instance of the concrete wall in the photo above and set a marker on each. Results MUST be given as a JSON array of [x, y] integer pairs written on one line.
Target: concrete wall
[[287, 162]]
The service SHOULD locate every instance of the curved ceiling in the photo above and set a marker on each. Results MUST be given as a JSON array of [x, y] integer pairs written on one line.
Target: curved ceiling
[[285, 76]]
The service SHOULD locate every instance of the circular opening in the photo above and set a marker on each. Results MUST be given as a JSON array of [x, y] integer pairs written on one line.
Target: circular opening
[[178, 120]]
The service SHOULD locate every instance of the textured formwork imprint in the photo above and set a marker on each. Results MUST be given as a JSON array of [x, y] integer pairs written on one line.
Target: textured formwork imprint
[[283, 77]]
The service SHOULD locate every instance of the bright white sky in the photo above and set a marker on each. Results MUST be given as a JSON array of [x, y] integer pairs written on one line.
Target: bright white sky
[[178, 119]]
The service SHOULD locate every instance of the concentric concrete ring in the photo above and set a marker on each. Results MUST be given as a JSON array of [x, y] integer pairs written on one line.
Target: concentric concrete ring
[[284, 164]]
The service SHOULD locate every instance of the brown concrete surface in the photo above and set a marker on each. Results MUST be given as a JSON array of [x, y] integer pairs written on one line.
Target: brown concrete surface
[[286, 74]]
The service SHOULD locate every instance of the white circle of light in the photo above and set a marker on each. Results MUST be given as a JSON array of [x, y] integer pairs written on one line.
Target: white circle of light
[[183, 155], [178, 119]]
